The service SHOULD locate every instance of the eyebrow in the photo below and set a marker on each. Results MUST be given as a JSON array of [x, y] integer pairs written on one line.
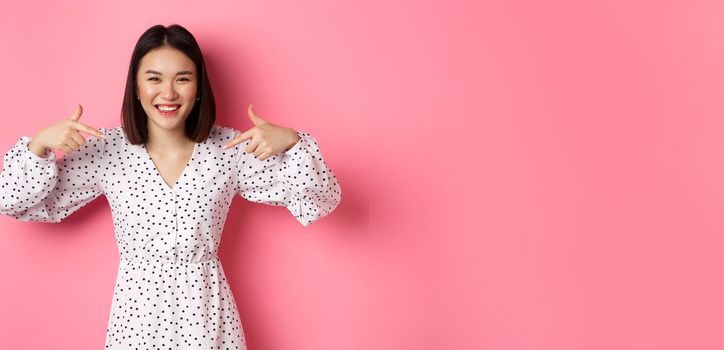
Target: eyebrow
[[179, 73]]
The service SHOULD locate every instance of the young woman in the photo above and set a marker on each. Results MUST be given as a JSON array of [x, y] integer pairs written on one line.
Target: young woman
[[169, 174]]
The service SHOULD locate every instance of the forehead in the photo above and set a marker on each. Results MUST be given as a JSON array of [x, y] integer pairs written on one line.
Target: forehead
[[166, 60]]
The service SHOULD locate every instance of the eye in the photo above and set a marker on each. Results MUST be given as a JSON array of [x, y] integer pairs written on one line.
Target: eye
[[186, 79], [151, 78]]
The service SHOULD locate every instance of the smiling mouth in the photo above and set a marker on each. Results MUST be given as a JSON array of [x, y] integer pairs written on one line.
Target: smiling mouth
[[167, 108]]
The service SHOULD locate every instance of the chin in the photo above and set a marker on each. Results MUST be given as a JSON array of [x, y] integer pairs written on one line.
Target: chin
[[168, 124]]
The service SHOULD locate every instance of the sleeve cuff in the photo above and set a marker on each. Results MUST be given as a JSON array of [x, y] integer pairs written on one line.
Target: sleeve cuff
[[48, 156], [297, 149]]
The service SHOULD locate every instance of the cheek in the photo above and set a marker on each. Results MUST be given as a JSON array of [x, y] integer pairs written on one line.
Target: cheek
[[189, 91], [145, 90]]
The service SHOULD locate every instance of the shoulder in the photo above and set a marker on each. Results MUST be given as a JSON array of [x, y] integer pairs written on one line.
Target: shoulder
[[218, 137], [113, 133], [115, 142], [220, 133], [115, 137]]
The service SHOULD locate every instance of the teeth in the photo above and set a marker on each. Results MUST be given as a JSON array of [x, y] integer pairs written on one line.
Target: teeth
[[167, 109]]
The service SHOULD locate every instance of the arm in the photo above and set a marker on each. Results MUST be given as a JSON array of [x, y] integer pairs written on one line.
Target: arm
[[46, 189], [298, 179]]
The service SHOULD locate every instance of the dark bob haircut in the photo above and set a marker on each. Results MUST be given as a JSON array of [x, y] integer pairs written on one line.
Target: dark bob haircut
[[202, 117]]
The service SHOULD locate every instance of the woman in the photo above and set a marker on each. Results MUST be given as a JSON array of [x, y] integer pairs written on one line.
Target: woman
[[169, 174]]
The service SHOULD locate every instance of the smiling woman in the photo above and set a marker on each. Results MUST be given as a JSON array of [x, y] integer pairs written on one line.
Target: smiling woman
[[169, 174]]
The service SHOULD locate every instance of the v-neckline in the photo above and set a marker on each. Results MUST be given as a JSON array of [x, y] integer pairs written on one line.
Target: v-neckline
[[158, 172]]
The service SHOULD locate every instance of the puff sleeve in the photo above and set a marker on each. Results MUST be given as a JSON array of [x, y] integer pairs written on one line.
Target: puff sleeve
[[47, 189], [298, 179]]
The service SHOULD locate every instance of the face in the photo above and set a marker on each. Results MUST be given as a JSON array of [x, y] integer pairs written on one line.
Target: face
[[166, 77]]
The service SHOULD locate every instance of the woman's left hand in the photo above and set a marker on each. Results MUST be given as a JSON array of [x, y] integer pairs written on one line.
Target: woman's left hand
[[267, 139]]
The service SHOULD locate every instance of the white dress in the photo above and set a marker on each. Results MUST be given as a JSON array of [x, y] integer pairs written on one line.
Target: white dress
[[171, 291]]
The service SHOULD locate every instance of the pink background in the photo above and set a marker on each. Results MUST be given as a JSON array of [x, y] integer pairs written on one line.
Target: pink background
[[515, 174]]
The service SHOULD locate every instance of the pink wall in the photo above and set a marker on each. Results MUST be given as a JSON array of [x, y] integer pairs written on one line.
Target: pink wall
[[516, 174]]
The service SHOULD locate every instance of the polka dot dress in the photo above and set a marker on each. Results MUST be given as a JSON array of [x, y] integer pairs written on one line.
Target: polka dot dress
[[170, 292]]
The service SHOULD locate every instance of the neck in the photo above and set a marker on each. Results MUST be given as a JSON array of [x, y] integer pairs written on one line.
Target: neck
[[161, 139]]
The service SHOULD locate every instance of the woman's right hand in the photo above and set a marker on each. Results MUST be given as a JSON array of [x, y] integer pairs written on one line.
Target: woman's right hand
[[63, 135]]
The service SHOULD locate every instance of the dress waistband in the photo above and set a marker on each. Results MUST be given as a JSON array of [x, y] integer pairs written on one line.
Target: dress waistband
[[157, 261]]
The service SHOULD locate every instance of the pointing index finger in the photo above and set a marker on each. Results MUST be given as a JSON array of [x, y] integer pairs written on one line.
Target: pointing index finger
[[82, 127], [240, 138]]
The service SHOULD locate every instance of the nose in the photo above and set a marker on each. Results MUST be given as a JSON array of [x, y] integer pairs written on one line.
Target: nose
[[168, 92]]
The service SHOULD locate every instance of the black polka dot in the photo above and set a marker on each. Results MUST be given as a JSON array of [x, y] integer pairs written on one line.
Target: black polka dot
[[171, 291]]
